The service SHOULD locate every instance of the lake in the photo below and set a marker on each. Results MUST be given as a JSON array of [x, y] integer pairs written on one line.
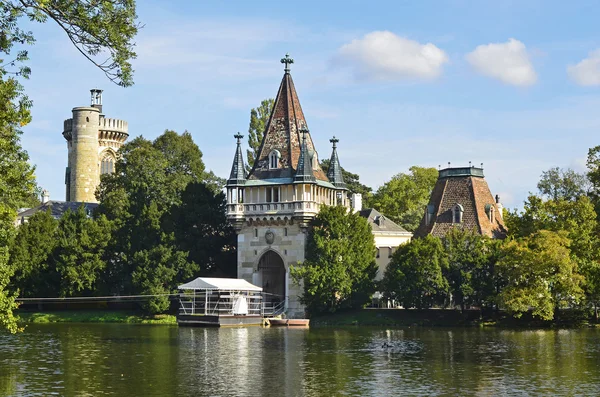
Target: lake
[[145, 360]]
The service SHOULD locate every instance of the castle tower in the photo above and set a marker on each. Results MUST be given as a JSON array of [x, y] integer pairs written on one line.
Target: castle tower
[[93, 142], [462, 199], [272, 206]]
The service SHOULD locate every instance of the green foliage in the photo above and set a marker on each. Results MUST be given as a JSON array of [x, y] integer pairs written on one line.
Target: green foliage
[[31, 257], [102, 31], [340, 268], [539, 275], [352, 182], [404, 197], [200, 228], [164, 219], [91, 316], [560, 184], [470, 273], [259, 117], [81, 241], [414, 276]]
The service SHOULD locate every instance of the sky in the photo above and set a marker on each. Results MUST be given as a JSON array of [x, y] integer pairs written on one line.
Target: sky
[[514, 85]]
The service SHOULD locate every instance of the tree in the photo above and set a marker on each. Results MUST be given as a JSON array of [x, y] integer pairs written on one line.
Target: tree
[[560, 184], [259, 117], [414, 276], [79, 251], [339, 269], [352, 182], [470, 271], [404, 197], [201, 228], [103, 32], [540, 275], [151, 202], [17, 180], [31, 257]]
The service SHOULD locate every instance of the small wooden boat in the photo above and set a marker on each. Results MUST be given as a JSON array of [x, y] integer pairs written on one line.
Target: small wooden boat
[[289, 322]]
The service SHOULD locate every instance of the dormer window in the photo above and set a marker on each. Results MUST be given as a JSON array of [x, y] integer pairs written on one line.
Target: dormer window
[[489, 209], [429, 212], [274, 157], [457, 213]]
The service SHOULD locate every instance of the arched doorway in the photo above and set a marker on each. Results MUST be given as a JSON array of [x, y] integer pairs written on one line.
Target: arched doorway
[[272, 274]]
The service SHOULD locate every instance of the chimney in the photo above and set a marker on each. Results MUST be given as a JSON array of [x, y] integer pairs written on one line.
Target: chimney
[[96, 98], [45, 196], [499, 206], [356, 202]]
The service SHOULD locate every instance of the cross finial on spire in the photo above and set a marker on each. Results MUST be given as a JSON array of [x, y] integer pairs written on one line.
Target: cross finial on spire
[[287, 61], [334, 140], [239, 137]]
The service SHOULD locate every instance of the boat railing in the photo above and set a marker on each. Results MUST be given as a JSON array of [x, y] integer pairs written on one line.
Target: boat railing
[[273, 305]]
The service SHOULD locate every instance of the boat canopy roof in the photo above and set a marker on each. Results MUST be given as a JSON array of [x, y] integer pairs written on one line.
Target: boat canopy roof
[[225, 284]]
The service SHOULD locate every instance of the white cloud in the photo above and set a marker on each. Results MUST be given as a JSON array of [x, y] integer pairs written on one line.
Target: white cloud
[[586, 72], [382, 55], [508, 62]]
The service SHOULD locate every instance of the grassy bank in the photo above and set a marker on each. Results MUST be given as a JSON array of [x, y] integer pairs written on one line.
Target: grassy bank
[[445, 318], [99, 316]]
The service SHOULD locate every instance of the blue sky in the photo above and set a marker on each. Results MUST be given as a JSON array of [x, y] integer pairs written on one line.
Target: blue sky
[[514, 85]]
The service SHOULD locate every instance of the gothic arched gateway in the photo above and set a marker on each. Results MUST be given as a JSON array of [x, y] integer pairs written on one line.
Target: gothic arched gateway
[[272, 275]]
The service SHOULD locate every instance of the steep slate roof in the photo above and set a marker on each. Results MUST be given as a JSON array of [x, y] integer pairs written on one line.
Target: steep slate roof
[[379, 223], [57, 208], [283, 134], [467, 187], [238, 169], [304, 170], [334, 173]]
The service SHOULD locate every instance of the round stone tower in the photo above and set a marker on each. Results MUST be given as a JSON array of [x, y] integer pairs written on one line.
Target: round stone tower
[[93, 142]]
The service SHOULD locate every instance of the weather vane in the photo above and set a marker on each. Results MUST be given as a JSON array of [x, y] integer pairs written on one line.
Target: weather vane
[[239, 137], [287, 61]]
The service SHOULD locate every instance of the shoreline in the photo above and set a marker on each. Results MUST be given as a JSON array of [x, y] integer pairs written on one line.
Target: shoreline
[[95, 316], [570, 319]]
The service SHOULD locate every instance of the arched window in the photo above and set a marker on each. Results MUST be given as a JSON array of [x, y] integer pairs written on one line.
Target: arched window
[[274, 159], [107, 166], [457, 213]]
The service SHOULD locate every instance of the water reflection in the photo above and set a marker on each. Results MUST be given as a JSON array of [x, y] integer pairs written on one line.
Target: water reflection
[[99, 360]]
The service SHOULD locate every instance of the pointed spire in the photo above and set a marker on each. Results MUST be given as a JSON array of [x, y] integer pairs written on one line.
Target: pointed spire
[[304, 171], [238, 169], [282, 134], [334, 173]]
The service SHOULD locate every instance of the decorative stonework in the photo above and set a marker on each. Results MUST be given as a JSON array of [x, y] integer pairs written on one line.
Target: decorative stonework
[[269, 237]]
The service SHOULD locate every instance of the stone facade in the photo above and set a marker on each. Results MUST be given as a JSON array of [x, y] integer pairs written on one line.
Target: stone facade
[[271, 207], [93, 142]]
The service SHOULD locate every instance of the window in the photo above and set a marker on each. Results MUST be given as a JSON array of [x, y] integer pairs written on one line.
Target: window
[[275, 194], [107, 166], [274, 159], [285, 232], [489, 210], [269, 195], [457, 213], [255, 232]]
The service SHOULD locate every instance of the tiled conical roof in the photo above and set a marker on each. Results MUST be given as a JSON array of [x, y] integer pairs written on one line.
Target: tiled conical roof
[[283, 135], [334, 173], [464, 190], [304, 170], [238, 168]]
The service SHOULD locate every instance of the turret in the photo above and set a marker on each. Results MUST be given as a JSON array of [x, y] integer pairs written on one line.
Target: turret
[[93, 142]]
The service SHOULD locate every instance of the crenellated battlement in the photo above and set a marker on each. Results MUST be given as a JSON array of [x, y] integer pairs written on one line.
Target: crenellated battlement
[[68, 129], [115, 125]]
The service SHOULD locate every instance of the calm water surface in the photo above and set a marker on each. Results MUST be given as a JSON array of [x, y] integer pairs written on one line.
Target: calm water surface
[[130, 360]]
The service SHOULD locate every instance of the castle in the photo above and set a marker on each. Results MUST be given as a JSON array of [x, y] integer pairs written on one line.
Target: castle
[[93, 142]]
